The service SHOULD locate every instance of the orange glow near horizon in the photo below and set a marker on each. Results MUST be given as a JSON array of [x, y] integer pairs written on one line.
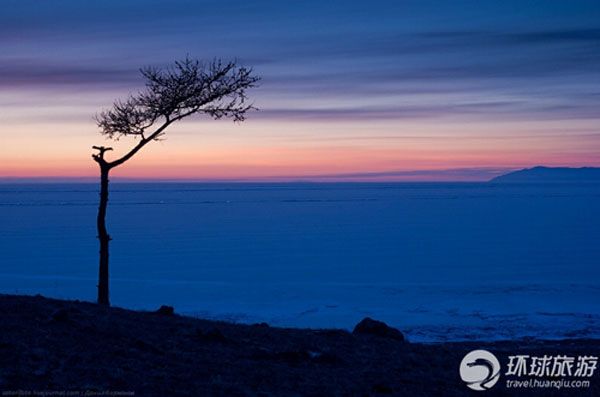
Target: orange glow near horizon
[[260, 149]]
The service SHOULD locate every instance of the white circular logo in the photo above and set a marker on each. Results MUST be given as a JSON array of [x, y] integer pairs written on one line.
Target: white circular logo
[[480, 370]]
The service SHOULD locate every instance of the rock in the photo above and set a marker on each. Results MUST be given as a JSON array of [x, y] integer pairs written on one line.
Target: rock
[[382, 389], [146, 347], [326, 358], [212, 335], [292, 356], [333, 333], [368, 326], [61, 315], [166, 311], [261, 353], [287, 356]]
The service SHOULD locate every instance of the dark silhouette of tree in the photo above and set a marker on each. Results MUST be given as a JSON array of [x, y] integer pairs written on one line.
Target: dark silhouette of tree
[[216, 89]]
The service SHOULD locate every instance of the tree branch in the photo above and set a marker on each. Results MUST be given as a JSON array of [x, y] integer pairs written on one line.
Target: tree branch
[[140, 145], [189, 87], [99, 158]]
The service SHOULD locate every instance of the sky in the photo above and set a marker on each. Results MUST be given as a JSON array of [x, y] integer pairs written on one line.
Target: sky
[[350, 90]]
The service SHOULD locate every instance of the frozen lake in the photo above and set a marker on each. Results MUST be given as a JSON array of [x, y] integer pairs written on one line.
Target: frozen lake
[[438, 260]]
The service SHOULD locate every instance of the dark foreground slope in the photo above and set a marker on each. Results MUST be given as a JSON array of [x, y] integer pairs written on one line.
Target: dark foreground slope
[[53, 345], [551, 175]]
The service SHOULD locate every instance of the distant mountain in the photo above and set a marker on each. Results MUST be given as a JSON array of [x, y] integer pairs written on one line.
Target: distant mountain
[[551, 175]]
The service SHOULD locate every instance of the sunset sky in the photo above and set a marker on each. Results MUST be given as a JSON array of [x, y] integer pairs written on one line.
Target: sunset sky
[[351, 90]]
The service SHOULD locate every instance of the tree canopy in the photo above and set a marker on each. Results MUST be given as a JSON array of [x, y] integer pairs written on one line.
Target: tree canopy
[[216, 89]]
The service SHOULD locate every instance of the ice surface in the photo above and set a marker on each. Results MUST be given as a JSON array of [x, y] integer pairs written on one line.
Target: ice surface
[[441, 261]]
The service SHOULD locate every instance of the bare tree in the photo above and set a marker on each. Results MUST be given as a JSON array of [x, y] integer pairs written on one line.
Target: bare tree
[[216, 89]]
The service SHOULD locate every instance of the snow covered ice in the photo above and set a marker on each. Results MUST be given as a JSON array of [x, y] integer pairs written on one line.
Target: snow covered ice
[[440, 261]]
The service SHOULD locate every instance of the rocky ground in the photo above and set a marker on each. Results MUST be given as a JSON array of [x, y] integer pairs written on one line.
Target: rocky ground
[[54, 347]]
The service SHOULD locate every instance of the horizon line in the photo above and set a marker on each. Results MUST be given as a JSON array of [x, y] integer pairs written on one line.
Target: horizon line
[[451, 175], [473, 174]]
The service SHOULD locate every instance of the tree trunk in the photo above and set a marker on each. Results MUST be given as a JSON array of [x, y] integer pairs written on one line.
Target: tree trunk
[[103, 237]]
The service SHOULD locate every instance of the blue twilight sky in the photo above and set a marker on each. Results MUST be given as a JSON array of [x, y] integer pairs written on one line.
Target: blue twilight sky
[[349, 88]]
